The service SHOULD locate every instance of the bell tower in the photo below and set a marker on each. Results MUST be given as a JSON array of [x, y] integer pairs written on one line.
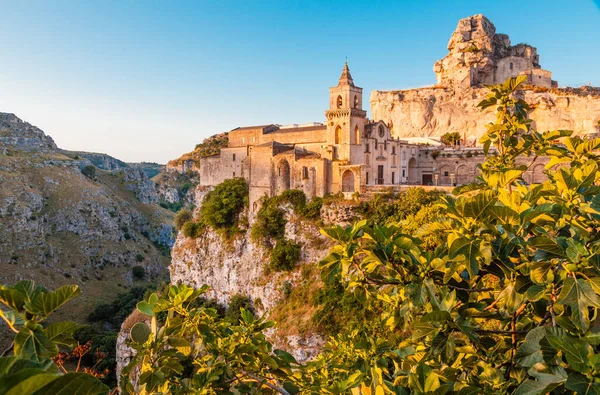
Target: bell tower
[[345, 118]]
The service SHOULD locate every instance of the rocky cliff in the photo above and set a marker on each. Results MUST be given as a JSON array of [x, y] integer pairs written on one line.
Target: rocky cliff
[[65, 221], [431, 112], [478, 56]]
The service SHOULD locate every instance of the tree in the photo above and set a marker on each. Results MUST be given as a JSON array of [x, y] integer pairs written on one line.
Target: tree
[[31, 369], [451, 138], [506, 302]]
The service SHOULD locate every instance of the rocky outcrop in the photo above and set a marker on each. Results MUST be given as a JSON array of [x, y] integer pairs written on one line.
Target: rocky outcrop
[[240, 267], [477, 55], [60, 226], [431, 112], [17, 134]]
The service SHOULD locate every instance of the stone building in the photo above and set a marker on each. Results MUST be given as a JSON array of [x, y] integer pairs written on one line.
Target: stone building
[[478, 56], [348, 153]]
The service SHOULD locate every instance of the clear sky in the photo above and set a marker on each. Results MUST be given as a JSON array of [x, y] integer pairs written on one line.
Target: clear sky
[[147, 80]]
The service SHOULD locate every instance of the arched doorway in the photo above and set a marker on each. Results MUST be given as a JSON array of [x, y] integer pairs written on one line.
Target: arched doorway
[[283, 176], [413, 173], [348, 181]]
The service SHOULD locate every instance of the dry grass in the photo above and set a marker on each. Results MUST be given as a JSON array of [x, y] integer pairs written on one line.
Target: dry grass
[[293, 314]]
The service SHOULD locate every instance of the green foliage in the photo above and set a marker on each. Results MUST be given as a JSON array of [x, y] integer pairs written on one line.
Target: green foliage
[[393, 208], [174, 207], [139, 257], [31, 369], [295, 197], [138, 272], [182, 217], [506, 301], [284, 256], [342, 312], [237, 304], [196, 351], [89, 171], [312, 209], [270, 221], [192, 229], [212, 145], [115, 312], [451, 138], [223, 205]]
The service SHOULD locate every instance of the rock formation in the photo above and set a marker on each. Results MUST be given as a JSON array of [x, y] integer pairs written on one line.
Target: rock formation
[[480, 56], [477, 57], [60, 226]]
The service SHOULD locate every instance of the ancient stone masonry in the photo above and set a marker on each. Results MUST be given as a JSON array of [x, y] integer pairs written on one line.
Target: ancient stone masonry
[[350, 153], [480, 56]]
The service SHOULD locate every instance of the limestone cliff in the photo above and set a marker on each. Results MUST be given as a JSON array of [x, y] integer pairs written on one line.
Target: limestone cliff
[[431, 112], [64, 221], [478, 56]]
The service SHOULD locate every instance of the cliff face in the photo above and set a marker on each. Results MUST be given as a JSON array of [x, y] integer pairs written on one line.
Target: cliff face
[[435, 111], [241, 267], [60, 226], [477, 57]]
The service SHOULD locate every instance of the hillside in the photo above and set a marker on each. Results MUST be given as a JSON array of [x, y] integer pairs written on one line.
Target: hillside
[[65, 221], [210, 146]]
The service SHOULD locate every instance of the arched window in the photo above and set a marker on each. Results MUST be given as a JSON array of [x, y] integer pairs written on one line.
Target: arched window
[[356, 135], [339, 102], [338, 134], [511, 66], [381, 131], [355, 101]]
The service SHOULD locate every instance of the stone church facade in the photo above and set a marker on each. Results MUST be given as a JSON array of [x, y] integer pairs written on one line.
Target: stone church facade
[[347, 153]]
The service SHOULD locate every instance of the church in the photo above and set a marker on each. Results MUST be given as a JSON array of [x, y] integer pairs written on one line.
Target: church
[[347, 153]]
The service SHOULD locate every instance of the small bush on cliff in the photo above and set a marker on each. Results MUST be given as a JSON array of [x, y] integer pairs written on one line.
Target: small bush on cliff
[[270, 221], [192, 229], [222, 206], [182, 217], [138, 272], [312, 209], [89, 171], [237, 303], [284, 256]]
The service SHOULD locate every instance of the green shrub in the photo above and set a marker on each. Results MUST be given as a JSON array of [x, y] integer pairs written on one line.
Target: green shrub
[[285, 255], [89, 171], [115, 312], [138, 272], [174, 207], [270, 221], [139, 258], [312, 210], [295, 197], [182, 217], [387, 208], [237, 302], [192, 229], [222, 206]]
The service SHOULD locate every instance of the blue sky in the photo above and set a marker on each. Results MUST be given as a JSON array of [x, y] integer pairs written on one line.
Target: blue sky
[[147, 80]]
